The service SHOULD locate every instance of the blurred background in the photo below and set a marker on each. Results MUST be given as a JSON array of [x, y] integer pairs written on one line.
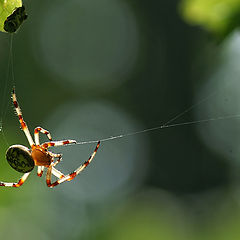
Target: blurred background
[[90, 69]]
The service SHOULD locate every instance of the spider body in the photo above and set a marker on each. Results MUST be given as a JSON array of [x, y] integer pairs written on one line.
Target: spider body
[[20, 159], [41, 156], [24, 160]]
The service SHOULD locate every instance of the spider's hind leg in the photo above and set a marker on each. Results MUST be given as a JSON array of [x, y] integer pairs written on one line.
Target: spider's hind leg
[[63, 178], [18, 184]]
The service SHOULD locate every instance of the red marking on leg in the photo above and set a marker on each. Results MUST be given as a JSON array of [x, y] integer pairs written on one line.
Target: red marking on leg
[[24, 126], [47, 145], [66, 142], [49, 184], [20, 183], [98, 145], [15, 104], [39, 129], [87, 162], [55, 184], [2, 184], [72, 176]]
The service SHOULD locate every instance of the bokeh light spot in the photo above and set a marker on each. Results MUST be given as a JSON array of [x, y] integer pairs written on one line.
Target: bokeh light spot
[[89, 43], [119, 164], [223, 136]]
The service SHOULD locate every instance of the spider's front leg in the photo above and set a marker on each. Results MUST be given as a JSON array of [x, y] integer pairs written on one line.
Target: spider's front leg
[[58, 143], [20, 117], [69, 177], [18, 184], [42, 130]]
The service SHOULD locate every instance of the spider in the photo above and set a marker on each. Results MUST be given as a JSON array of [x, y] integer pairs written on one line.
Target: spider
[[24, 160]]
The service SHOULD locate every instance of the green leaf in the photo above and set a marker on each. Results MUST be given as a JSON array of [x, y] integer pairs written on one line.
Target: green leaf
[[217, 16]]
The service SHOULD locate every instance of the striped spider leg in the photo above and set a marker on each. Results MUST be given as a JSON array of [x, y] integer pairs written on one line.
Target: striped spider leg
[[24, 160], [63, 178], [22, 123]]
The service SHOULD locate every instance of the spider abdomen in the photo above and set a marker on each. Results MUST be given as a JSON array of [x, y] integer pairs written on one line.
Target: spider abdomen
[[41, 157], [19, 158]]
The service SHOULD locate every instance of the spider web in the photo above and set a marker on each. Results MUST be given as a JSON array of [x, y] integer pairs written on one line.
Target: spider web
[[166, 125], [9, 83]]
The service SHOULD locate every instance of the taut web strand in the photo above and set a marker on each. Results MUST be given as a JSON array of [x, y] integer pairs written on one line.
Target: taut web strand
[[160, 127]]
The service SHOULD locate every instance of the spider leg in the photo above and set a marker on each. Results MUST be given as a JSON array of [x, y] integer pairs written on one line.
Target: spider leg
[[57, 173], [23, 124], [58, 156], [68, 177], [54, 155], [37, 141], [36, 134], [57, 143], [40, 171], [18, 184]]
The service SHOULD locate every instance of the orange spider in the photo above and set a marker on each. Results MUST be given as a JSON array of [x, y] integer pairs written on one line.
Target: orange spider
[[24, 160]]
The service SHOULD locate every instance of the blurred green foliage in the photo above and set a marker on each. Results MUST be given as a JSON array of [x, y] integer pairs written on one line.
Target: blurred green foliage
[[220, 17], [117, 66]]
